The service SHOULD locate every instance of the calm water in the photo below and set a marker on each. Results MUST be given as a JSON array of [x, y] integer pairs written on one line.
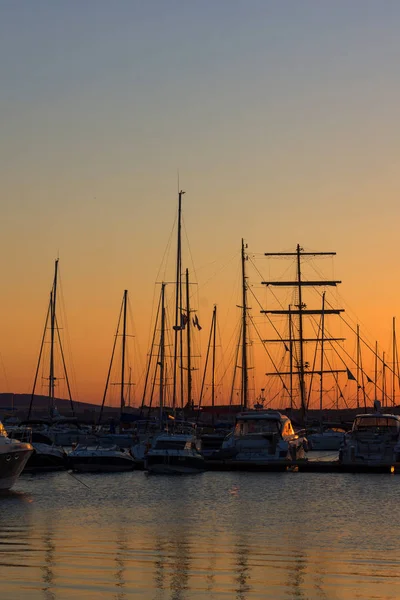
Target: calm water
[[209, 536]]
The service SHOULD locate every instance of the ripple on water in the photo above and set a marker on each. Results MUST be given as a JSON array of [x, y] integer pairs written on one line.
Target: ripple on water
[[214, 536]]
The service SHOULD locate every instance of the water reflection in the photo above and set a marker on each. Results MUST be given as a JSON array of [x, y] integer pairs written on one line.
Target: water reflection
[[214, 537], [296, 573], [120, 558], [159, 570], [49, 562], [242, 577]]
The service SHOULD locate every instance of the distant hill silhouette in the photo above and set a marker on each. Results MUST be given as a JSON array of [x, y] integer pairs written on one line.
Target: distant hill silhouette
[[19, 404]]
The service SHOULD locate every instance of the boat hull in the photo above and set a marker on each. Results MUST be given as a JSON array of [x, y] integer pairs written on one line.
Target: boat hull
[[101, 464], [47, 459], [12, 464]]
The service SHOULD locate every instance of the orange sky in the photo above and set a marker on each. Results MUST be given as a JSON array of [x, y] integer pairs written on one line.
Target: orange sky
[[282, 124]]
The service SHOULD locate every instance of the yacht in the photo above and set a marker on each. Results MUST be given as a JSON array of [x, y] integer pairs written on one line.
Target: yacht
[[174, 453], [263, 438], [13, 458], [373, 442], [106, 459]]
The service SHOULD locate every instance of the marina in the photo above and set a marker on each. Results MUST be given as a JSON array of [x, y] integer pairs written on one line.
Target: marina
[[199, 362]]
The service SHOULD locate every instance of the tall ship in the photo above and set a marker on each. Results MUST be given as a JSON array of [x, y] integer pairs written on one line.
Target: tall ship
[[306, 343]]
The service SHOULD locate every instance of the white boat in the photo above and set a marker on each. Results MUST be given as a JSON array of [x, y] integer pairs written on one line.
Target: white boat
[[110, 459], [13, 458], [175, 454], [373, 442], [263, 437]]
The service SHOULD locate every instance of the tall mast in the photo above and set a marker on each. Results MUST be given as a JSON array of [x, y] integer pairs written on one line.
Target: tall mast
[[290, 358], [301, 311], [245, 379], [214, 321], [383, 379], [301, 343], [376, 371], [394, 361], [178, 298], [189, 362], [322, 354], [53, 300], [162, 351], [358, 366], [122, 402]]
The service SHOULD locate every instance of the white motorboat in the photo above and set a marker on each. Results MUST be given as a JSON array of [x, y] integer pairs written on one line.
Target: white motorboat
[[263, 438], [109, 459], [373, 442], [13, 458], [175, 454]]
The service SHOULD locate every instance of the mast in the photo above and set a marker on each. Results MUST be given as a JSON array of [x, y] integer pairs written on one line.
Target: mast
[[394, 362], [245, 378], [178, 298], [53, 300], [189, 365], [214, 321], [322, 355], [301, 311], [212, 329], [290, 359], [162, 351], [358, 366], [301, 343], [383, 379], [122, 401], [376, 371]]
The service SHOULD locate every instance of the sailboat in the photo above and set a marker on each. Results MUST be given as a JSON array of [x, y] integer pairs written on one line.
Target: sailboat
[[45, 437], [175, 451], [108, 454], [261, 439], [119, 435], [212, 438], [323, 437]]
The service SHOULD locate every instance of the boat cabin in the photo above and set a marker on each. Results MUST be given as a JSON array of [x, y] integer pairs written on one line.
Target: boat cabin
[[377, 423], [262, 423], [172, 442]]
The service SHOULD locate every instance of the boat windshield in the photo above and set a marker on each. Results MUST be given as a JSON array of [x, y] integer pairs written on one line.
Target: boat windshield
[[3, 432], [376, 424], [249, 426]]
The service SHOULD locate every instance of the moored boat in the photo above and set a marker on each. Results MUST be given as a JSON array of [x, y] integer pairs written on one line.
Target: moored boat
[[174, 454], [263, 438], [373, 442], [106, 459], [13, 458]]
